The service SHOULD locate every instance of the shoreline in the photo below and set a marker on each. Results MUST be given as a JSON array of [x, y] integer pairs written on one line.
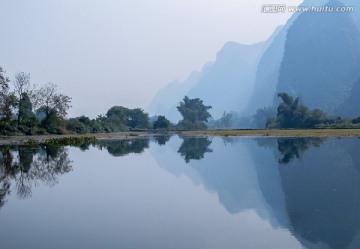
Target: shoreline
[[23, 139], [41, 139]]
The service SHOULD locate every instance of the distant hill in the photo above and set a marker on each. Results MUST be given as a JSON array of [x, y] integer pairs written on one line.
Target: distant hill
[[321, 60], [312, 49], [227, 85], [268, 72], [351, 107], [168, 97], [269, 66]]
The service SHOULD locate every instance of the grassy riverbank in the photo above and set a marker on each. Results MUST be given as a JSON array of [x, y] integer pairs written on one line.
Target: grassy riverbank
[[53, 139], [280, 133], [42, 139]]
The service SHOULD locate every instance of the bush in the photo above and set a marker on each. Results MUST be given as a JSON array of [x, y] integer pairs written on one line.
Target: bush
[[162, 123], [188, 125]]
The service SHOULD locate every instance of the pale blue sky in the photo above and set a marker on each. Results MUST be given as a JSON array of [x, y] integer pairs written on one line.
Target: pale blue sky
[[115, 52]]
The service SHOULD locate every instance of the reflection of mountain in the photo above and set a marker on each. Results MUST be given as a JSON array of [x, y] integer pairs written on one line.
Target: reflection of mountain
[[315, 194], [26, 166], [323, 193], [321, 190], [227, 171]]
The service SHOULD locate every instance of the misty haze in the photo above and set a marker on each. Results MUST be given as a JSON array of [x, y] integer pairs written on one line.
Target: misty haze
[[180, 124]]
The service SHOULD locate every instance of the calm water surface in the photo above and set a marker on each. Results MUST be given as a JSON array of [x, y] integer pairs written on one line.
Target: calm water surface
[[182, 192]]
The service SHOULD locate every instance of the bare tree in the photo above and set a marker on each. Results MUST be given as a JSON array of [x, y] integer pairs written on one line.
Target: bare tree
[[54, 103], [22, 83]]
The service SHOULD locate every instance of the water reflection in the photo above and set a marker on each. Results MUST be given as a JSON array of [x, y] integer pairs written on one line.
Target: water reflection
[[27, 166], [315, 196], [292, 148], [323, 194], [120, 148], [162, 139], [194, 148]]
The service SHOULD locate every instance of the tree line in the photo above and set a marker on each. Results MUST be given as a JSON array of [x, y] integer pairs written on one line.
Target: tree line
[[291, 113], [31, 109], [118, 118], [26, 108]]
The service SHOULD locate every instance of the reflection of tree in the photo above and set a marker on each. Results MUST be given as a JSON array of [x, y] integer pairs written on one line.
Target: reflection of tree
[[194, 148], [323, 198], [28, 166], [4, 189], [124, 147], [162, 140], [292, 148]]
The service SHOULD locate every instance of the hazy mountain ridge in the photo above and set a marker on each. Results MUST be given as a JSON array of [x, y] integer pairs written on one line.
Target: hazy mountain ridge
[[226, 84], [268, 72], [321, 50], [167, 97], [311, 49], [269, 66]]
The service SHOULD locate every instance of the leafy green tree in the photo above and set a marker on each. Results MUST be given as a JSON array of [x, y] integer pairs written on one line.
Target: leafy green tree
[[53, 123], [122, 117], [78, 125], [314, 118], [162, 123], [8, 102], [25, 107], [137, 119], [116, 118], [263, 115], [287, 112], [226, 121], [117, 114], [84, 125], [28, 122], [356, 120], [292, 114], [194, 113]]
